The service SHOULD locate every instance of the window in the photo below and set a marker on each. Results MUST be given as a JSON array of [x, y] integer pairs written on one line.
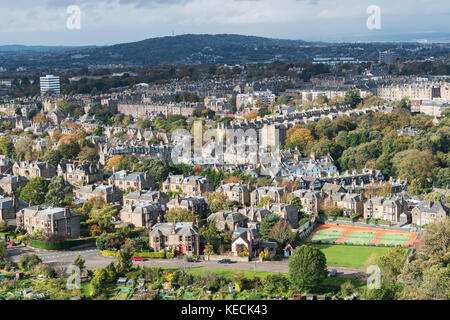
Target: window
[[180, 238]]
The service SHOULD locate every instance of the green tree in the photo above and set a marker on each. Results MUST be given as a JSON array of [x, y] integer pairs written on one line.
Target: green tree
[[3, 251], [35, 191], [216, 201], [69, 151], [102, 217], [28, 262], [58, 194], [414, 164], [210, 234], [179, 215], [324, 147], [282, 233], [88, 154], [307, 267], [352, 98], [53, 156], [391, 263], [265, 201], [267, 224], [433, 196], [124, 262], [7, 146], [436, 238], [99, 281], [79, 262]]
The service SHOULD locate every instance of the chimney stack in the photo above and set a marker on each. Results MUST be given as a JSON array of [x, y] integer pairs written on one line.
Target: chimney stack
[[173, 226]]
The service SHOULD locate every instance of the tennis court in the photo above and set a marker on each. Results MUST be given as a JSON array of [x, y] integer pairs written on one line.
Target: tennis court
[[394, 239], [327, 235], [360, 237]]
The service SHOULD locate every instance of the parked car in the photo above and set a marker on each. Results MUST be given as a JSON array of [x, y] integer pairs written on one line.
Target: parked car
[[137, 258], [333, 273], [191, 260], [224, 261], [11, 243]]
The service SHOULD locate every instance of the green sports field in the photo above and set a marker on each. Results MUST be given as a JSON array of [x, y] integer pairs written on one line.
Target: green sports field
[[360, 237], [393, 239], [349, 256], [327, 235]]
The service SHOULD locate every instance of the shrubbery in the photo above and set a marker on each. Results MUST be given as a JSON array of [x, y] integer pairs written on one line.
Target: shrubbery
[[161, 254], [109, 253]]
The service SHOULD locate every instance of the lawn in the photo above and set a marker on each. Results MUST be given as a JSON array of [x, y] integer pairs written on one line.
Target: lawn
[[349, 256], [327, 235], [360, 237], [394, 239]]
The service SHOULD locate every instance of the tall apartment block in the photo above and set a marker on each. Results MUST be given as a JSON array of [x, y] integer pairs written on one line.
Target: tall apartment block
[[50, 84]]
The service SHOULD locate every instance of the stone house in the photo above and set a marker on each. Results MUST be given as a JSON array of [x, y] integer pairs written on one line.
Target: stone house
[[183, 237], [238, 192], [9, 183], [9, 206], [59, 221], [393, 209], [227, 220], [197, 205], [427, 212], [349, 203], [146, 196], [276, 193], [125, 180], [255, 214], [189, 185], [33, 169], [6, 165], [285, 211], [80, 173], [109, 193], [312, 201], [142, 214]]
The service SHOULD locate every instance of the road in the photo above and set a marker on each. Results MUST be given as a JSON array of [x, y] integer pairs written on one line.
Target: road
[[94, 259]]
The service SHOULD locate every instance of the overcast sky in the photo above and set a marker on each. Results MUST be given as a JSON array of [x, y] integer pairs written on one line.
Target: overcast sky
[[43, 22]]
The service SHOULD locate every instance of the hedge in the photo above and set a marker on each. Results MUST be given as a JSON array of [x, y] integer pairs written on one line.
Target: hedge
[[109, 253], [170, 255], [148, 254], [67, 244]]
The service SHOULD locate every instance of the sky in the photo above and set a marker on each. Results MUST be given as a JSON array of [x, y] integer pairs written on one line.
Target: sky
[[106, 22]]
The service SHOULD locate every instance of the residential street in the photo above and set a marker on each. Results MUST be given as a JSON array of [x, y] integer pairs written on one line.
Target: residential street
[[94, 259]]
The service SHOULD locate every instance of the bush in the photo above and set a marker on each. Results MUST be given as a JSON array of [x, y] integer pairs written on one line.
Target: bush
[[303, 221], [158, 255], [109, 253], [277, 257], [333, 211], [29, 261], [3, 226], [170, 255]]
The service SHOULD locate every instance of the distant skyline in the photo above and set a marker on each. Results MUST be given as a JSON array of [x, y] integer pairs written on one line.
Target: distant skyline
[[106, 22]]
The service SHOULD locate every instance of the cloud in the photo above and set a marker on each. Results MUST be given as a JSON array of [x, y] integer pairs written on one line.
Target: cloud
[[109, 21]]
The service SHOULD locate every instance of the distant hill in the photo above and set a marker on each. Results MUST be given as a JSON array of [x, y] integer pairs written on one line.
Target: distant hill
[[202, 48], [38, 49], [189, 48]]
